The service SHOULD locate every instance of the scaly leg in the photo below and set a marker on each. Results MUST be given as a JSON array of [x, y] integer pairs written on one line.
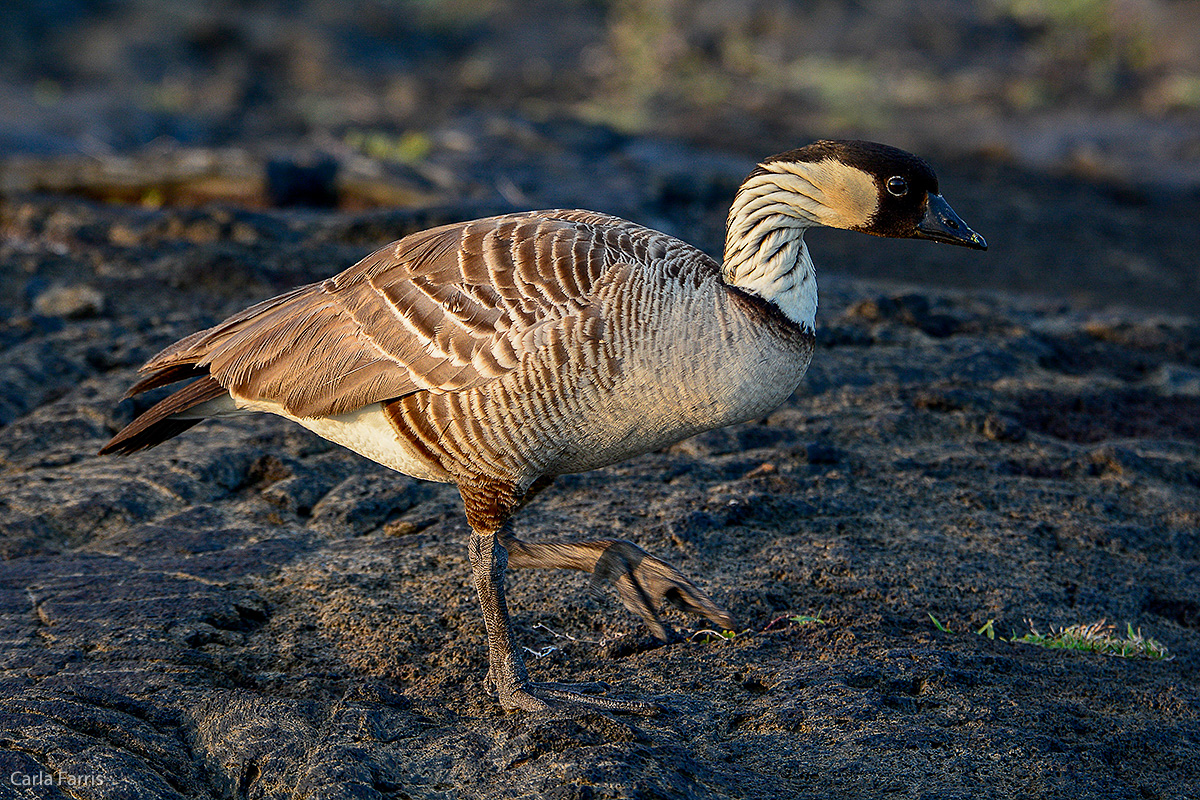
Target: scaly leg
[[506, 671]]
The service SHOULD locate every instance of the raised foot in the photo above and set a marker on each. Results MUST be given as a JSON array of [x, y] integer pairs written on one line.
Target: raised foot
[[532, 696], [645, 582]]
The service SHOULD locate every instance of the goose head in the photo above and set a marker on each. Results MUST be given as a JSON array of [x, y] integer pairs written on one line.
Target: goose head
[[871, 188], [854, 185]]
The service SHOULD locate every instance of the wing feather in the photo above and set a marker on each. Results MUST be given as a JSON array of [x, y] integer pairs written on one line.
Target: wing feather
[[441, 310]]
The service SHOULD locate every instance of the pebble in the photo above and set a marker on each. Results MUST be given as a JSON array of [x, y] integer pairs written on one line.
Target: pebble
[[71, 302]]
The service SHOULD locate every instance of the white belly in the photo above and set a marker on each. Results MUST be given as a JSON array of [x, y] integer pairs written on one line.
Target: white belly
[[368, 432]]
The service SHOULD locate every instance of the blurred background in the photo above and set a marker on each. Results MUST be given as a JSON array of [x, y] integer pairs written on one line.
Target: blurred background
[[648, 108]]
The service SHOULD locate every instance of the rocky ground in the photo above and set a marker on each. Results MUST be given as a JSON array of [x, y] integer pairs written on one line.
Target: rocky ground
[[1006, 437], [248, 611]]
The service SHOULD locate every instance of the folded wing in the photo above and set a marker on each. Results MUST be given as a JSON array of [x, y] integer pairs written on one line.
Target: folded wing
[[441, 310]]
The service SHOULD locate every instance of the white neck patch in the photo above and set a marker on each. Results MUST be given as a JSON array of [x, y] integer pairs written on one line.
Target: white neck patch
[[780, 271], [765, 252]]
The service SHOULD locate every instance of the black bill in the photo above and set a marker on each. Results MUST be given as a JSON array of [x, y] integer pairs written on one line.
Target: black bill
[[941, 224]]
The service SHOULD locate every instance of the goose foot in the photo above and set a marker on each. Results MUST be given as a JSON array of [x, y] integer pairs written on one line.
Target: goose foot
[[644, 583], [535, 696]]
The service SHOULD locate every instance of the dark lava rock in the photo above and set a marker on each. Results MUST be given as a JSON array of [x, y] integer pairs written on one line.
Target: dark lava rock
[[313, 184]]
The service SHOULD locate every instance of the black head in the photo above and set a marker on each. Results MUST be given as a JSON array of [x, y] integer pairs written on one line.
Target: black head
[[878, 189]]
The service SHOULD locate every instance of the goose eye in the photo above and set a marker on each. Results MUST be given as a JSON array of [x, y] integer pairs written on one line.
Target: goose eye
[[897, 186]]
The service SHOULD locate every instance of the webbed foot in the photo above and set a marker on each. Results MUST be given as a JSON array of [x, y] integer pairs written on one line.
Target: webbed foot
[[645, 582], [533, 696]]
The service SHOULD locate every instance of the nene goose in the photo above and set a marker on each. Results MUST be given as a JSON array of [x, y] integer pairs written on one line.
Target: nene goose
[[498, 353]]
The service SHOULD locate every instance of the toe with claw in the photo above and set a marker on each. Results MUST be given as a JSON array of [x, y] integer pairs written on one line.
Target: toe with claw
[[533, 696], [645, 582]]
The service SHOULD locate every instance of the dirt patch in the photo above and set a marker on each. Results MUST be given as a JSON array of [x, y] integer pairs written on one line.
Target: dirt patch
[[1115, 415]]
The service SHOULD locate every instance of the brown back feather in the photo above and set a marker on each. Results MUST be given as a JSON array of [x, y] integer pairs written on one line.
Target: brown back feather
[[172, 374], [441, 310]]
